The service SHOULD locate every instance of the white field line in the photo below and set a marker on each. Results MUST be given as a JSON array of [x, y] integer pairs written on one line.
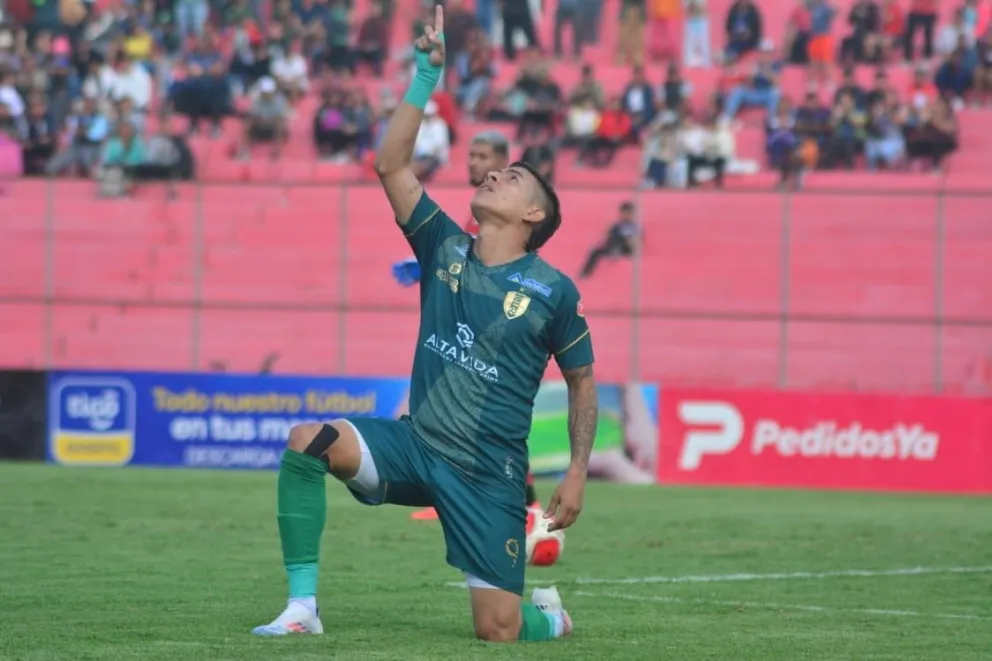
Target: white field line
[[787, 576], [772, 606], [777, 576]]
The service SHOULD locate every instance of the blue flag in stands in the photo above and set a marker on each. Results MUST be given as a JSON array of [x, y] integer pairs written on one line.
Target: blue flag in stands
[[407, 272]]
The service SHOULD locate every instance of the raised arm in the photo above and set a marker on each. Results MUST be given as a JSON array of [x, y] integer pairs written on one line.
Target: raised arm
[[396, 151]]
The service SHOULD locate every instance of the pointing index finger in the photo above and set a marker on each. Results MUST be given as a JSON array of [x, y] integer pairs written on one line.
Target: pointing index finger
[[438, 19]]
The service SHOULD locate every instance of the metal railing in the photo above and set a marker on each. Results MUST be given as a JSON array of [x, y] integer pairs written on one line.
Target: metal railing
[[852, 281]]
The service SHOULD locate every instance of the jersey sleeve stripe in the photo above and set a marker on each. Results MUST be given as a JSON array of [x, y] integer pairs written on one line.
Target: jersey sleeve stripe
[[573, 343], [426, 220]]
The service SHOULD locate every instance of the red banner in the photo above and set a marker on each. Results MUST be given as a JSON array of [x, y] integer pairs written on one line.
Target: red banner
[[851, 441]]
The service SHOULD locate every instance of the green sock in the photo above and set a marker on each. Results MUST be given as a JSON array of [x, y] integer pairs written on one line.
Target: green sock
[[537, 625], [302, 511]]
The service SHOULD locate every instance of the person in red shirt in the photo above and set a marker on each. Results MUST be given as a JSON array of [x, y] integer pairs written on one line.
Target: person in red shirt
[[615, 129]]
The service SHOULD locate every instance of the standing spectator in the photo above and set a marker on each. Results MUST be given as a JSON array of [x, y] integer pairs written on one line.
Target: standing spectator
[[954, 34], [798, 26], [743, 28], [663, 17], [884, 143], [40, 137], [433, 146], [267, 121], [922, 18], [191, 17], [373, 40], [821, 42], [621, 240], [760, 89], [630, 44], [517, 16], [893, 29], [862, 45], [338, 31], [86, 130], [568, 13], [696, 37]]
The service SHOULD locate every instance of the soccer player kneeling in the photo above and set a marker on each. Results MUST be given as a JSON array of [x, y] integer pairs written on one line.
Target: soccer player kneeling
[[492, 314]]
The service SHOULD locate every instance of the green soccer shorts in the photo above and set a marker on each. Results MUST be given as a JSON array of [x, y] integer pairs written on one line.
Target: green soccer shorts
[[484, 522]]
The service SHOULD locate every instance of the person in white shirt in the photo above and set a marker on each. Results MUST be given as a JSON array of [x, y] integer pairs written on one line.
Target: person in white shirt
[[433, 145], [707, 144], [128, 79], [290, 71], [10, 97], [582, 121]]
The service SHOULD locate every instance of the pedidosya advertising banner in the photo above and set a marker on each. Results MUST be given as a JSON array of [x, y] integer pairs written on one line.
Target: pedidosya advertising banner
[[198, 420]]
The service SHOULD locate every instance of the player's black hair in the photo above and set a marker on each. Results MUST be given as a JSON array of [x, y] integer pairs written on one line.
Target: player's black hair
[[544, 230]]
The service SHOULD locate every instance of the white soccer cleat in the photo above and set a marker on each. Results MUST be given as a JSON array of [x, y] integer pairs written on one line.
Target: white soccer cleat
[[297, 618], [549, 601]]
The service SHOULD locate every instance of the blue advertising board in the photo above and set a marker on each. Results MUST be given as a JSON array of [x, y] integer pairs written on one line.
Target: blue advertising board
[[199, 420]]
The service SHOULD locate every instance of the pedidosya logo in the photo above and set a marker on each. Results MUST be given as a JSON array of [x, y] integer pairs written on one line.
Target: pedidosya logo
[[93, 422]]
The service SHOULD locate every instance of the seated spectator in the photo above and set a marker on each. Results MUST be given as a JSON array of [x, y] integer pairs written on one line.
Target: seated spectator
[[706, 146], [138, 43], [662, 149], [62, 84], [588, 88], [10, 96], [863, 44], [615, 128], [639, 99], [813, 128], [204, 92], [11, 128], [935, 136], [795, 42], [476, 72], [675, 90], [743, 28], [881, 90], [850, 87], [954, 35], [372, 44], [123, 152], [433, 146], [361, 118], [954, 80], [129, 79], [249, 65], [290, 71], [167, 156], [267, 121], [329, 127], [884, 143], [581, 122], [621, 240], [847, 133], [983, 70], [543, 105], [760, 89], [86, 130], [541, 156], [922, 92], [782, 146], [40, 137]]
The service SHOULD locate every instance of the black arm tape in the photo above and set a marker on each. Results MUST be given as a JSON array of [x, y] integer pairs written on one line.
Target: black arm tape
[[322, 442]]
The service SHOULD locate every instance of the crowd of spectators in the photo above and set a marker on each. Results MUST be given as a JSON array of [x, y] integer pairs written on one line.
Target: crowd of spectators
[[96, 92]]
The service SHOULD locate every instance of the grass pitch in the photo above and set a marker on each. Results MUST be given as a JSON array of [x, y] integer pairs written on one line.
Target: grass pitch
[[174, 565]]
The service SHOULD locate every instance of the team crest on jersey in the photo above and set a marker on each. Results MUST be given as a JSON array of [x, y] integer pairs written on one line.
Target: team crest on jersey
[[455, 269], [515, 304]]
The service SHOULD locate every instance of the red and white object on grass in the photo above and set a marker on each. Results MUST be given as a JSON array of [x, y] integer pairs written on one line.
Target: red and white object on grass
[[544, 546]]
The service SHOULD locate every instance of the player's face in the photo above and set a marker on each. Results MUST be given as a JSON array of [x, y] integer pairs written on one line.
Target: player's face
[[508, 194], [482, 160]]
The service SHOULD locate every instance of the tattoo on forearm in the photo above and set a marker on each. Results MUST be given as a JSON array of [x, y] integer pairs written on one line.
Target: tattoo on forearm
[[583, 412]]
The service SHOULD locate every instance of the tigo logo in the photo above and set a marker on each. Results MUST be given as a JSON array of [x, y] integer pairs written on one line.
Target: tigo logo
[[92, 421], [725, 433]]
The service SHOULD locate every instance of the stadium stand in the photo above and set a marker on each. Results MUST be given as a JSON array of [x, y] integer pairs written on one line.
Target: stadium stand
[[861, 280]]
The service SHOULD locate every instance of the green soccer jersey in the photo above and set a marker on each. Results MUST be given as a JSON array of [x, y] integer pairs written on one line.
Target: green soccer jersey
[[486, 335]]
